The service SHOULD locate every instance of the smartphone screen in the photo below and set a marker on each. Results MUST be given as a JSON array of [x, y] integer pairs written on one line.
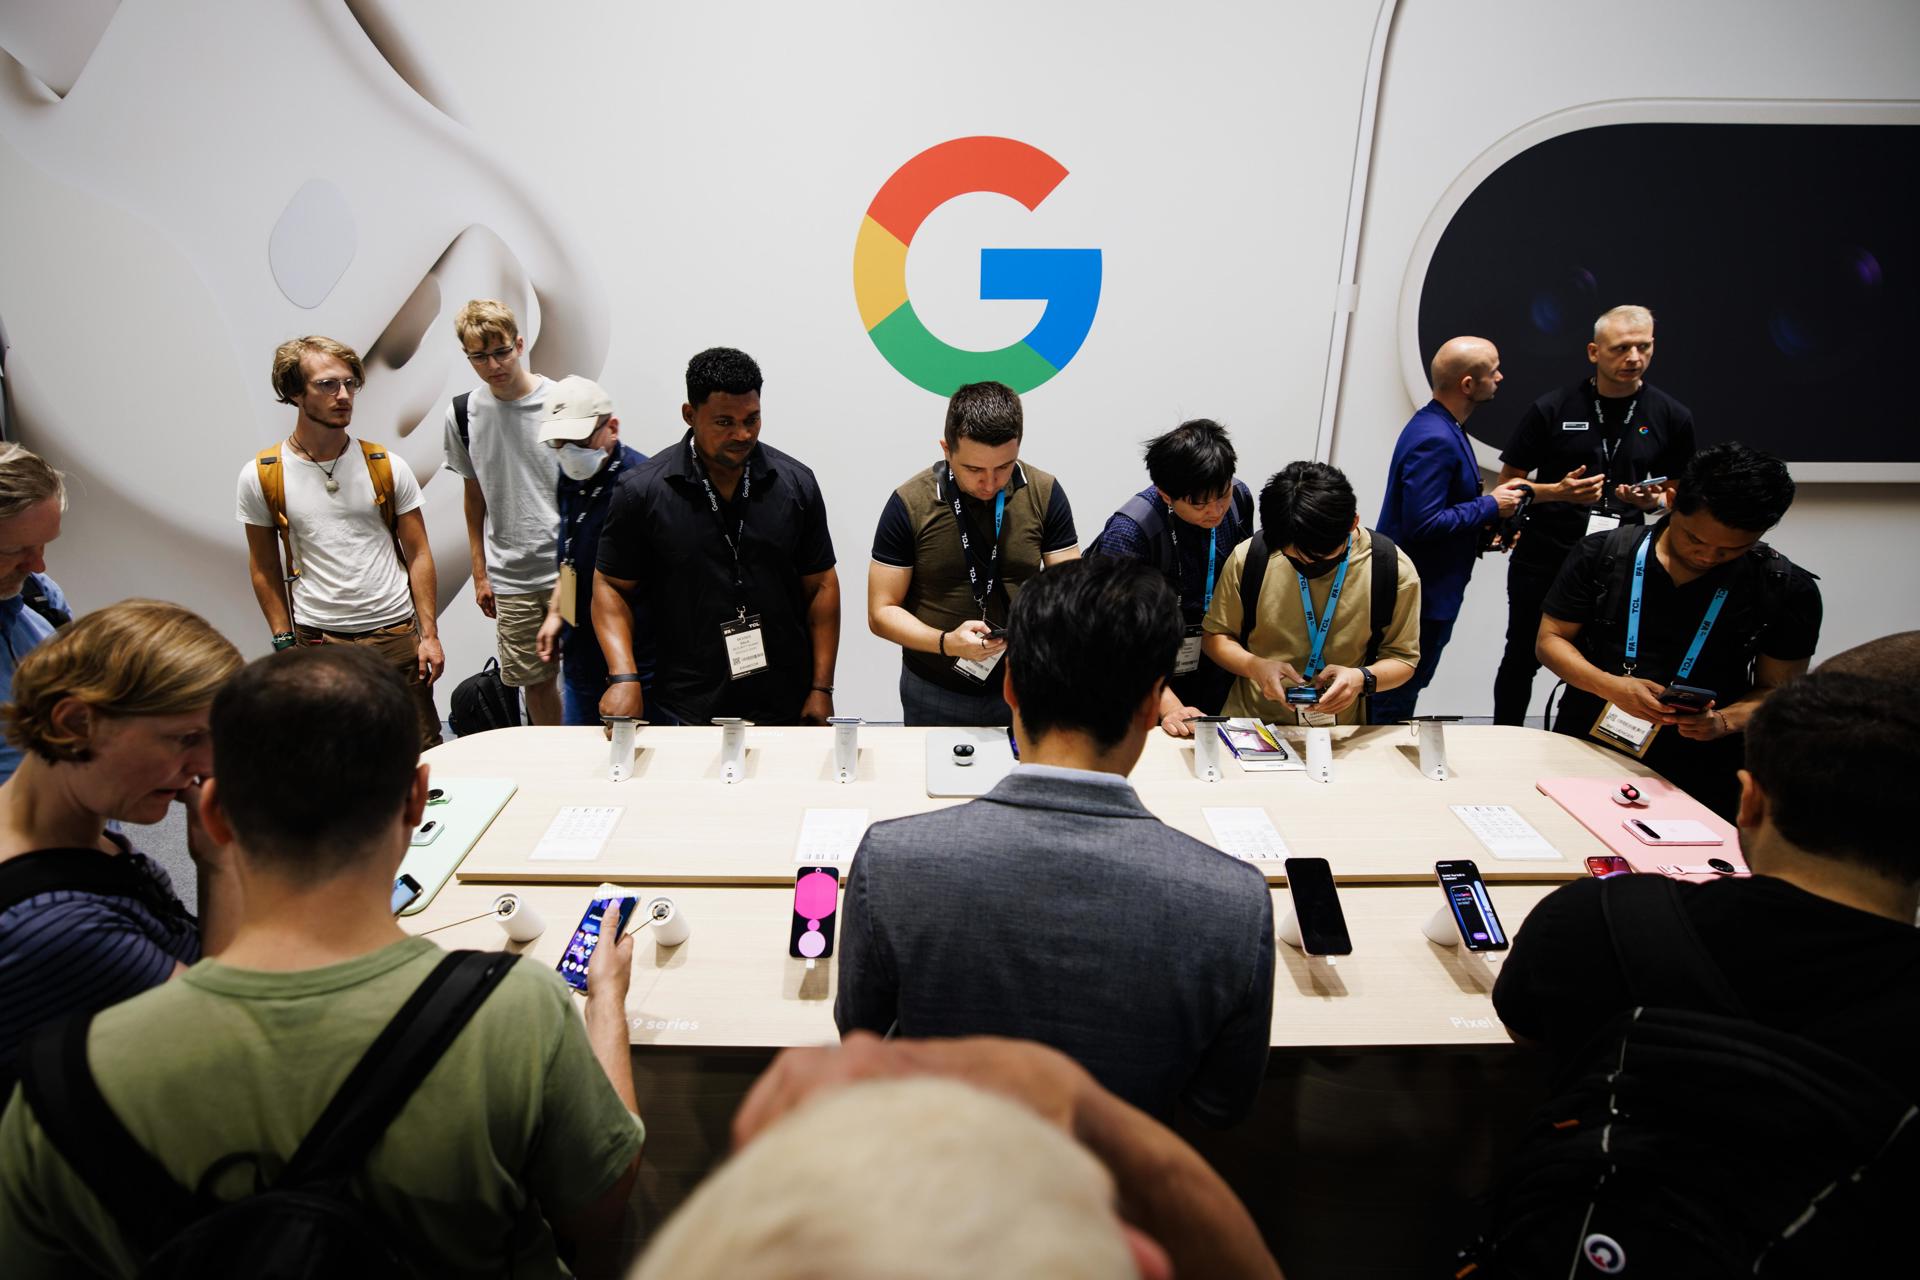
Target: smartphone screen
[[573, 965], [1303, 694], [1472, 908], [1316, 905], [405, 890], [1608, 864], [816, 899]]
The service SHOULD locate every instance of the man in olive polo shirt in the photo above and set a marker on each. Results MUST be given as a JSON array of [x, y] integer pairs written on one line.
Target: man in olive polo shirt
[[954, 545]]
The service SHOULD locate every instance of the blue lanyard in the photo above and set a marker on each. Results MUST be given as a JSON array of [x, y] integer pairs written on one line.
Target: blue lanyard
[[1213, 548], [1318, 629], [1633, 617]]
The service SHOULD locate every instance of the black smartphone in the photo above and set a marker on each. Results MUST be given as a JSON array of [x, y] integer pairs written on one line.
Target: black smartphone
[[1687, 697], [995, 633], [1472, 909], [816, 900], [1316, 905], [405, 890], [586, 936], [1303, 694]]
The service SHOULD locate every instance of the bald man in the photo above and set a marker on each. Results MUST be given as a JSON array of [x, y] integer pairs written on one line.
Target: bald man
[[1435, 508]]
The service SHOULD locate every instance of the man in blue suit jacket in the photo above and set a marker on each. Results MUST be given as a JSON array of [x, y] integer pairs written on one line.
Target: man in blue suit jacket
[[1434, 506]]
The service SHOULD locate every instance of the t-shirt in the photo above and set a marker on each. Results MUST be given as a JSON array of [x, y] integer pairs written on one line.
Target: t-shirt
[[351, 578], [1280, 629], [514, 1126], [21, 629], [1645, 436], [67, 950], [1837, 976], [583, 506], [517, 475]]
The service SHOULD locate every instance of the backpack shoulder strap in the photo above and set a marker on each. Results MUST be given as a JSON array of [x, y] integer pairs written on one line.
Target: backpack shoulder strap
[[39, 598], [1252, 575], [47, 870], [1151, 518], [273, 485], [1616, 567], [460, 417], [394, 1065], [1660, 954], [380, 471], [1386, 592]]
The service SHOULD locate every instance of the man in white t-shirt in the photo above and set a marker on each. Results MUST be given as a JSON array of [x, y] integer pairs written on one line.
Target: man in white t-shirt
[[358, 569], [512, 480]]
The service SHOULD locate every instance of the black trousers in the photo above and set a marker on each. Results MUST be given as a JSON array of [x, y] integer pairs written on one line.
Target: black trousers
[[1528, 581]]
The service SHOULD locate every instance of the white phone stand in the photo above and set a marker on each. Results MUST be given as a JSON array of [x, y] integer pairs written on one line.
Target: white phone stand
[[1320, 755], [670, 927], [846, 747], [1432, 739], [1440, 927], [733, 748], [1287, 929], [1206, 747], [620, 761]]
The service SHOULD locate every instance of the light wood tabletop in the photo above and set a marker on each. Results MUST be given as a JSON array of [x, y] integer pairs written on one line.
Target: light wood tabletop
[[1379, 820], [731, 984]]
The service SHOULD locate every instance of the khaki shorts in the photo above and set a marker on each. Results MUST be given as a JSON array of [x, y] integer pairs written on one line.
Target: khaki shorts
[[516, 626]]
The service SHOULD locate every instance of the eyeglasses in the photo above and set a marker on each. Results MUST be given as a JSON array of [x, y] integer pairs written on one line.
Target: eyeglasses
[[500, 354], [331, 387]]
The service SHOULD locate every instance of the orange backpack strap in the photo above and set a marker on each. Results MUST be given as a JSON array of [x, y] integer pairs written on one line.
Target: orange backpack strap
[[272, 471], [380, 471]]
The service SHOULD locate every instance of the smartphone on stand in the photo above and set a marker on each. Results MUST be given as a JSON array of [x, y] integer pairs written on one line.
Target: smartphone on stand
[[405, 890], [1316, 905], [816, 902], [1472, 909], [586, 936]]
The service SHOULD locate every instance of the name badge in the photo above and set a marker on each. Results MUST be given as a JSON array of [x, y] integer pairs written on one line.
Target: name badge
[[746, 646], [1187, 661], [1629, 733], [569, 587], [1602, 521], [1573, 426], [978, 670], [1315, 719]]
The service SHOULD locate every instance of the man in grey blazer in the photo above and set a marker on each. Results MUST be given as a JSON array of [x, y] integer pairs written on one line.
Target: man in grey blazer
[[1056, 908]]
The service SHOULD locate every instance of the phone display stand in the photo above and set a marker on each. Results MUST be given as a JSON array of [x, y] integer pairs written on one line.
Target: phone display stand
[[1320, 755], [846, 748], [1431, 737], [733, 748], [1207, 747], [1287, 929], [517, 918], [620, 761], [670, 927], [466, 814], [1440, 927]]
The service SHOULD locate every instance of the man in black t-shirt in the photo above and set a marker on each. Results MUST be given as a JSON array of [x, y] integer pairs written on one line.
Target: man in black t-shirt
[[1696, 600], [1819, 941], [1593, 445]]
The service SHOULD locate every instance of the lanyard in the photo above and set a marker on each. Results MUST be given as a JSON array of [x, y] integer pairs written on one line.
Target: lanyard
[[570, 530], [1213, 546], [739, 535], [1318, 630], [1633, 617], [1610, 449], [980, 593]]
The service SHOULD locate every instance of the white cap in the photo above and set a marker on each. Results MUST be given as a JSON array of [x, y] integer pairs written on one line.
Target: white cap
[[573, 408]]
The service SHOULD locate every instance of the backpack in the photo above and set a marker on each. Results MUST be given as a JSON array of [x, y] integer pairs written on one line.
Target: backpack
[[483, 701], [1151, 518], [460, 419], [273, 488], [1700, 1144], [1615, 571], [1386, 589], [40, 600], [308, 1222]]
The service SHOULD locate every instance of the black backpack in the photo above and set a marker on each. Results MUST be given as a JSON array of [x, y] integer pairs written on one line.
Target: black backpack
[[483, 701], [1386, 588], [1762, 570], [1701, 1144], [1151, 519], [307, 1223]]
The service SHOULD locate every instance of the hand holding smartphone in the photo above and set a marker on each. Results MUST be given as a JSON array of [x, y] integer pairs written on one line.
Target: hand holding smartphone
[[1687, 698], [1303, 695], [586, 937]]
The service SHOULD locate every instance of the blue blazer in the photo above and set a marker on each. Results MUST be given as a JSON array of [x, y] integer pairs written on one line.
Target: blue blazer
[[1434, 507]]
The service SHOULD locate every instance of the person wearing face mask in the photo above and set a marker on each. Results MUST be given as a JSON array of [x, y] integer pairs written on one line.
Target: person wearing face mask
[[1309, 612], [1186, 523], [111, 715], [577, 422]]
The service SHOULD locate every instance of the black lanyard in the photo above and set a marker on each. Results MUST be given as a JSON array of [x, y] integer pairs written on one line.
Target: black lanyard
[[739, 535], [1608, 454], [980, 593], [587, 500]]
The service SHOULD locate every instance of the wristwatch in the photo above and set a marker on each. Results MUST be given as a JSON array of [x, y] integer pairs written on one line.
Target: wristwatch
[[282, 640], [1368, 681], [625, 677]]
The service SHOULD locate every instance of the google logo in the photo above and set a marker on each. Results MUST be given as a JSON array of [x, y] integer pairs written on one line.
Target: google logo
[[1067, 280]]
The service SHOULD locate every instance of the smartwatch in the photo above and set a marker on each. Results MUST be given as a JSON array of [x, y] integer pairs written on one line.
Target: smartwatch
[[282, 640], [627, 677], [1368, 680]]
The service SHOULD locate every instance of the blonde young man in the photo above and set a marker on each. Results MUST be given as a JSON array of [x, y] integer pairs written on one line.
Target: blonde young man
[[347, 513], [494, 445]]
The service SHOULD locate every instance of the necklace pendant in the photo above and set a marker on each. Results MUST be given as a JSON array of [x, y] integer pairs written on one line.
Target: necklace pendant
[[333, 486]]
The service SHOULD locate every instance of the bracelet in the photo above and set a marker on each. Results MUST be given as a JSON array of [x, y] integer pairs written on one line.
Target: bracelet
[[943, 644], [823, 688], [283, 640], [628, 677]]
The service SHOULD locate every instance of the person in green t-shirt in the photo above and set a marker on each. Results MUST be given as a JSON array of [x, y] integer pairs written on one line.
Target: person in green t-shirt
[[523, 1135]]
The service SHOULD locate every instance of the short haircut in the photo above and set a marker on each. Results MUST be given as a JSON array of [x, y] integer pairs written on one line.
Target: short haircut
[[290, 380], [1194, 461], [1742, 488], [1894, 657], [1626, 313], [26, 481], [485, 318], [721, 369], [1086, 642], [988, 412], [347, 718], [1309, 506], [1834, 754], [135, 658], [928, 1177]]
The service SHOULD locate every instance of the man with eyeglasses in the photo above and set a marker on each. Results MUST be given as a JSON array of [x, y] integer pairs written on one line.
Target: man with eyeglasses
[[357, 566], [513, 518]]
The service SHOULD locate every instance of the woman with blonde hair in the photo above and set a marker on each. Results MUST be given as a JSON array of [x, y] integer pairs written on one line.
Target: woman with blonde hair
[[111, 715]]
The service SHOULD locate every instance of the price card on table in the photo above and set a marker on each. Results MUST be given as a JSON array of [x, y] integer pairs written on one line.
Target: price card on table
[[1505, 833], [828, 837], [1246, 832], [578, 833]]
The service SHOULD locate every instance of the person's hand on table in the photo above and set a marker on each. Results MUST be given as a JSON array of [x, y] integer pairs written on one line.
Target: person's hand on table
[[1179, 724], [546, 642], [622, 700], [969, 640], [1339, 687], [1273, 678]]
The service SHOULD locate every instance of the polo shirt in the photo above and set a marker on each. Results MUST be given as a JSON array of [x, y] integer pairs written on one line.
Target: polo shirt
[[583, 508], [21, 629], [1645, 435], [917, 532], [662, 533]]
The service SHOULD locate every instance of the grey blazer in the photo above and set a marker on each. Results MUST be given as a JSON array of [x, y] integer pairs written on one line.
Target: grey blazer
[[1060, 910]]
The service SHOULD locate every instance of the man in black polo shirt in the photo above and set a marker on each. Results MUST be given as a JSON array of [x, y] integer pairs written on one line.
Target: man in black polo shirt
[[725, 541], [1696, 600], [1593, 445], [941, 586]]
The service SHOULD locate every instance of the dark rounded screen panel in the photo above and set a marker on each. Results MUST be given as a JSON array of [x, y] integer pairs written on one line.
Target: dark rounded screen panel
[[1779, 261]]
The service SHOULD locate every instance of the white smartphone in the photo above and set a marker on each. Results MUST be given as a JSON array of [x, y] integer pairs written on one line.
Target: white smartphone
[[427, 832], [1671, 831]]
